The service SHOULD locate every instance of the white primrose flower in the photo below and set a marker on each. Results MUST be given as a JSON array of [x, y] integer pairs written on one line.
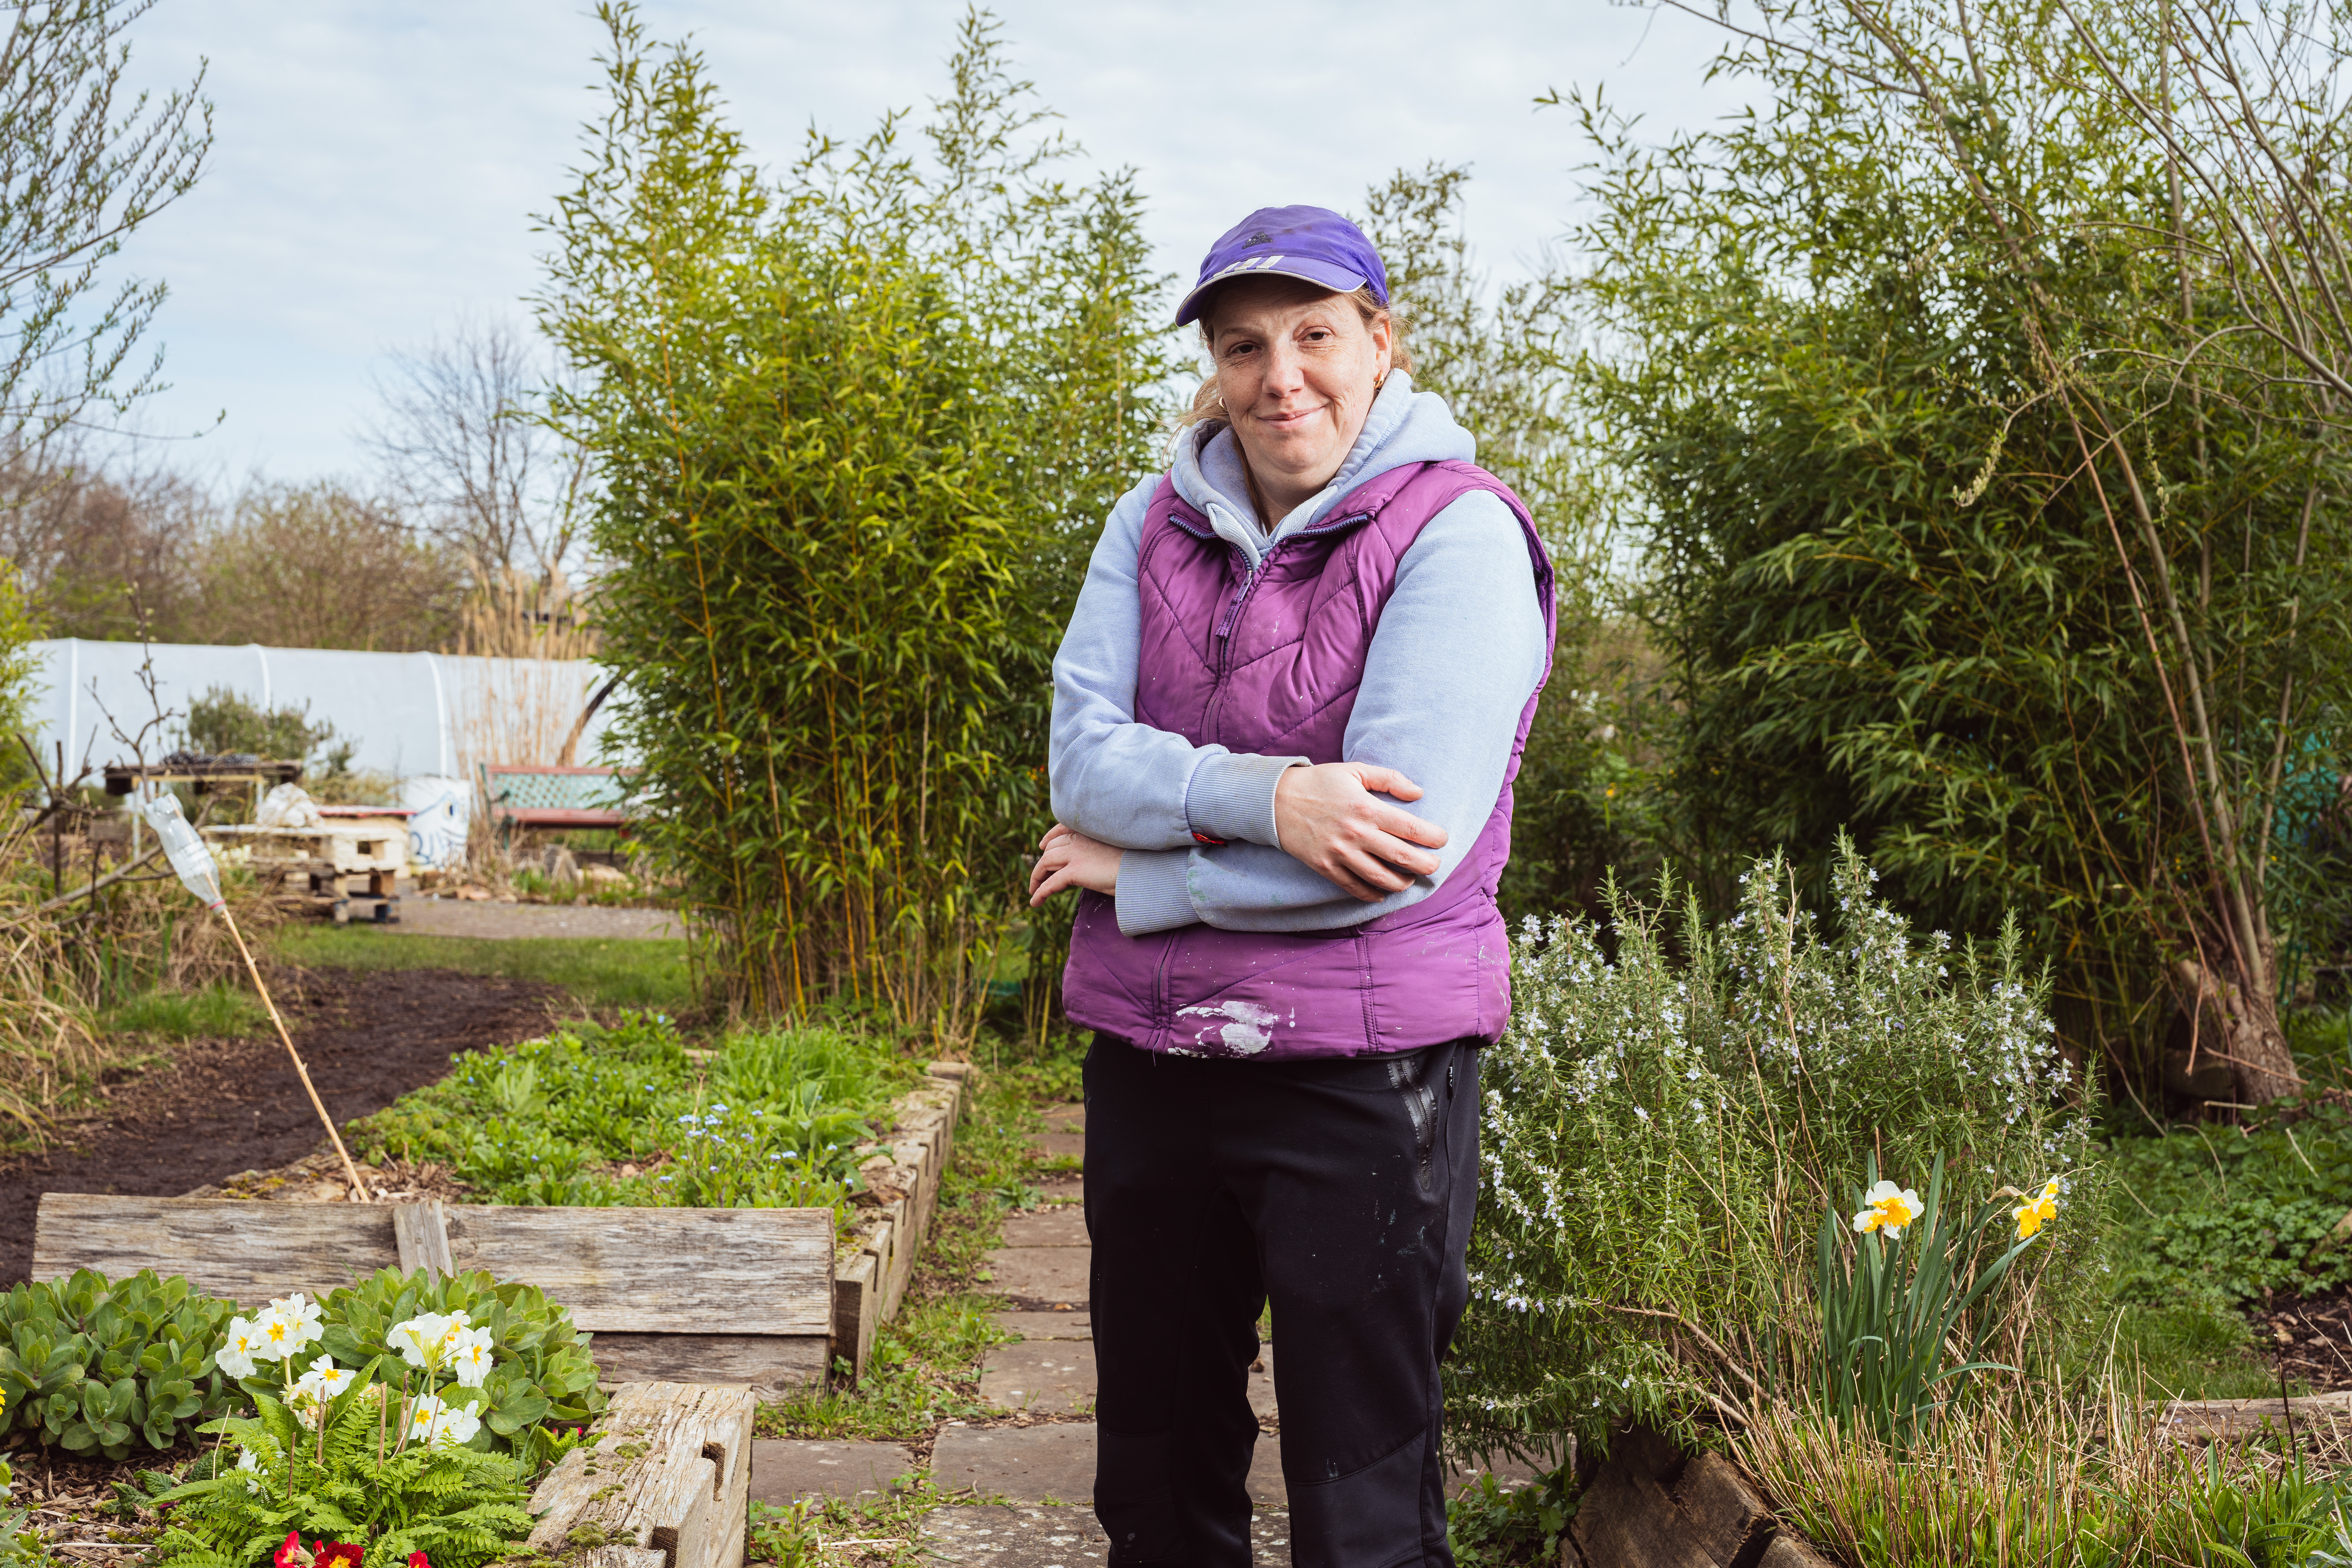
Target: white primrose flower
[[279, 1335], [471, 1358], [440, 1424], [422, 1340], [234, 1357], [317, 1387], [305, 1322], [250, 1463]]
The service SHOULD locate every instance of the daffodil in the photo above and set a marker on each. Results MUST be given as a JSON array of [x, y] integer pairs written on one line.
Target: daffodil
[[2035, 1212], [1888, 1209]]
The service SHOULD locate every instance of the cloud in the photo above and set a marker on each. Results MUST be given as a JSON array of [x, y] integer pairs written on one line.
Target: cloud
[[378, 163]]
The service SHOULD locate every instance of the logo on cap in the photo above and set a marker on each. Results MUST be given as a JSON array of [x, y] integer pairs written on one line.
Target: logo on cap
[[1260, 237]]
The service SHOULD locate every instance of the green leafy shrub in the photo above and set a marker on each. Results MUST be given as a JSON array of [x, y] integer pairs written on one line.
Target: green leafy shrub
[[350, 1473], [1661, 1133], [561, 1119], [544, 1379], [93, 1366], [912, 384]]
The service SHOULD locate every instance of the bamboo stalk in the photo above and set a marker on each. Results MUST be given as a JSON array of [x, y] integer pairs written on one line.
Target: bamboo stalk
[[359, 1188]]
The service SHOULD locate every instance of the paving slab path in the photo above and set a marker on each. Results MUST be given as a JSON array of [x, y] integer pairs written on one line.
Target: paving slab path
[[505, 921], [1066, 1537], [1040, 1475]]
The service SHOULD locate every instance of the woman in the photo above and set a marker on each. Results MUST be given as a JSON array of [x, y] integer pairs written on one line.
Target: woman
[[1286, 714]]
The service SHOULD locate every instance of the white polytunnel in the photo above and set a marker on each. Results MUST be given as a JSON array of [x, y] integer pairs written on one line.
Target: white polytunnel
[[406, 714]]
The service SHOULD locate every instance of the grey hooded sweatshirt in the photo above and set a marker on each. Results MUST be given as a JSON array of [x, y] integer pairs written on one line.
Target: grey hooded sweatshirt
[[1458, 651]]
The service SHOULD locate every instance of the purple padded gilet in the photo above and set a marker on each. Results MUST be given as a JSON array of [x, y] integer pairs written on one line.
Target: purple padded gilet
[[1269, 662]]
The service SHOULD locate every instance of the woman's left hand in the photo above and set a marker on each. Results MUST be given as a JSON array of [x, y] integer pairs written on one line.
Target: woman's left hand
[[1071, 859]]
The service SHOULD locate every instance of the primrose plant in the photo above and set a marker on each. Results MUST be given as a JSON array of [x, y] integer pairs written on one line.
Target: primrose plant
[[376, 1474]]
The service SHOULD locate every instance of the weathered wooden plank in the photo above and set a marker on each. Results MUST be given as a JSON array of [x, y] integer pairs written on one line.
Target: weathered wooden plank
[[686, 1271], [774, 1365], [855, 1317], [421, 1231], [670, 1472], [2226, 1420], [1626, 1521], [245, 1252], [1727, 1519], [1791, 1549]]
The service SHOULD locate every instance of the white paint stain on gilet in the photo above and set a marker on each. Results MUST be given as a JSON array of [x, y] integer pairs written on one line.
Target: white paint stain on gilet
[[1248, 1031]]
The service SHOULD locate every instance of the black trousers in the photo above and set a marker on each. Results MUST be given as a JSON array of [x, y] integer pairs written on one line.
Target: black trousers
[[1343, 1191]]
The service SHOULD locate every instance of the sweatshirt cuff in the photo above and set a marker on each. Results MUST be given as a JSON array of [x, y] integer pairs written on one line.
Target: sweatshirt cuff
[[1152, 895], [1231, 797]]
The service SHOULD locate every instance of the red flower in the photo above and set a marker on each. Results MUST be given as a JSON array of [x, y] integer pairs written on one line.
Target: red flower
[[291, 1555], [339, 1554], [416, 1560]]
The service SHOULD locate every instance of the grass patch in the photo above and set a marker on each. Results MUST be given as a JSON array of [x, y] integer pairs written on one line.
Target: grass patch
[[220, 1011], [602, 971], [2193, 1350]]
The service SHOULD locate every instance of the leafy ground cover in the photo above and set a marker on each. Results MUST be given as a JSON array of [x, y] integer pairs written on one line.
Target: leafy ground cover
[[626, 1115], [603, 972], [400, 1415]]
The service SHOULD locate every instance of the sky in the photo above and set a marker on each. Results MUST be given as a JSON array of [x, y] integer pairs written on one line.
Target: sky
[[377, 164]]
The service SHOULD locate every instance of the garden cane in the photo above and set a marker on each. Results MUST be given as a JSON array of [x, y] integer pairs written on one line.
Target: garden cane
[[198, 873]]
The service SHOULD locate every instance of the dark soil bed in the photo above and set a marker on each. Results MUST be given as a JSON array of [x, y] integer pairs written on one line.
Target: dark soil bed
[[226, 1106], [2309, 1336]]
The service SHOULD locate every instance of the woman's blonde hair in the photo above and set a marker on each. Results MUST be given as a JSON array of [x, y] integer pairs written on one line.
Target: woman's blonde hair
[[1209, 404]]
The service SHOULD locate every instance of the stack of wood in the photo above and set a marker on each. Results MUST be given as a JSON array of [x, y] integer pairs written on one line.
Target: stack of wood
[[1649, 1505]]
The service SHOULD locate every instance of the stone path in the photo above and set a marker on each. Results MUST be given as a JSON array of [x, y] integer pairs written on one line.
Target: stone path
[[458, 917], [1043, 1471]]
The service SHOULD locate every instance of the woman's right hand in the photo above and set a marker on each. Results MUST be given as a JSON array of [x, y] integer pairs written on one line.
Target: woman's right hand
[[1330, 820]]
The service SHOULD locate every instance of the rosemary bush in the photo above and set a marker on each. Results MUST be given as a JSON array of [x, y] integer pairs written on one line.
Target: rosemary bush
[[1663, 1130]]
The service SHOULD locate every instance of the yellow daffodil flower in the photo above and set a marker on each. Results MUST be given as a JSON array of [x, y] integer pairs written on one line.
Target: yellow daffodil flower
[[1888, 1210], [2035, 1212]]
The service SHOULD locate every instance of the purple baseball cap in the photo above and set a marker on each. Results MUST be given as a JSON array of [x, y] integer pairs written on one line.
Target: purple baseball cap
[[1314, 244]]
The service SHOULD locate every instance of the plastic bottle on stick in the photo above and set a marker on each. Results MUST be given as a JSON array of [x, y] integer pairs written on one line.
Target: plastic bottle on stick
[[184, 850]]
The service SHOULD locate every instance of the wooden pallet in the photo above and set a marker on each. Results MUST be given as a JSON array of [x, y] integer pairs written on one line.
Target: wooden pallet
[[740, 1297]]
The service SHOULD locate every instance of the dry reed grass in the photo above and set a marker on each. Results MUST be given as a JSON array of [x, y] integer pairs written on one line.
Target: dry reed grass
[[61, 964], [2040, 1475], [532, 638], [520, 704]]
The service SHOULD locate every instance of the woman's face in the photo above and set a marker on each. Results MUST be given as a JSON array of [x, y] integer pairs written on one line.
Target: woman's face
[[1297, 367]]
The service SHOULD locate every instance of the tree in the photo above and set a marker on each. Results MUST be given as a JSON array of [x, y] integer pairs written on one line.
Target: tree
[[1986, 522], [1505, 360], [318, 567], [101, 554], [467, 452], [848, 435], [77, 175]]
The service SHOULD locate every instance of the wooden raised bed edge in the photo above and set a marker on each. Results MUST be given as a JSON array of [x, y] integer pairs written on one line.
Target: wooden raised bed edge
[[875, 1261], [666, 1483]]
